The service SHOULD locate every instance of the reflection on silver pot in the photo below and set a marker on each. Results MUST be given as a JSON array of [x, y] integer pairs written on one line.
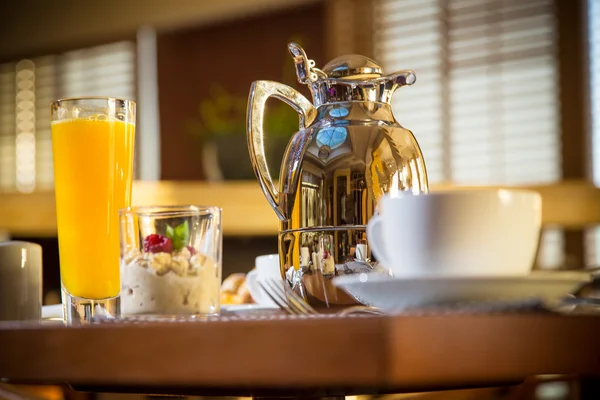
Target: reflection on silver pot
[[349, 151]]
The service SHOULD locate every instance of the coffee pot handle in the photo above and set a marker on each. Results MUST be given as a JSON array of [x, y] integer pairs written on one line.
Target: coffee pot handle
[[260, 92]]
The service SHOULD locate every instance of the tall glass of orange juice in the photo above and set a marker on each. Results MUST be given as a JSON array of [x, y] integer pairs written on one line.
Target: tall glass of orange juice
[[92, 144]]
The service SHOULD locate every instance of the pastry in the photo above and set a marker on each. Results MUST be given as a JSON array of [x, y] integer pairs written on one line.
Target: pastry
[[234, 290]]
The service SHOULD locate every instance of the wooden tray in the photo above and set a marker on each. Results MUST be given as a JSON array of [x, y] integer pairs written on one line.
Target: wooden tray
[[325, 354]]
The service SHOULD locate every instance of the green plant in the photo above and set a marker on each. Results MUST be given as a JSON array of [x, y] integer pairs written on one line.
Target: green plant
[[221, 114], [224, 114]]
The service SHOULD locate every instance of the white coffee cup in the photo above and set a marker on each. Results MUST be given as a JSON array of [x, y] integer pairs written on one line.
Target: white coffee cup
[[20, 281], [267, 267], [480, 232]]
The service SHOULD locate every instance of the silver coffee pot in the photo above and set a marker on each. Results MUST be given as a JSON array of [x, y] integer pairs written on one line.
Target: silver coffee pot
[[349, 151]]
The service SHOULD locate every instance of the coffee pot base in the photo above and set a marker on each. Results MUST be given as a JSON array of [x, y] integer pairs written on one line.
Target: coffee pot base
[[311, 258]]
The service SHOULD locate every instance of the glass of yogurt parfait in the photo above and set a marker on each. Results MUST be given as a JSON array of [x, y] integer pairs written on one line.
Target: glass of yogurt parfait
[[170, 261]]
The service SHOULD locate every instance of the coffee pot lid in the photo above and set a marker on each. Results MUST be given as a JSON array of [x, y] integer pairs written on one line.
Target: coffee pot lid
[[352, 66], [347, 78]]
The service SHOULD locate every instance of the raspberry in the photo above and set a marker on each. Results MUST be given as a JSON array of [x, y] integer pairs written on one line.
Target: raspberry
[[157, 244], [191, 250]]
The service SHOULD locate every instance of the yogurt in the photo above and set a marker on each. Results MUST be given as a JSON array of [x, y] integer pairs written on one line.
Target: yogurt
[[170, 285]]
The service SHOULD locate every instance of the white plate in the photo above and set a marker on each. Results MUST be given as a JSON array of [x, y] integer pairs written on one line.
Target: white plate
[[256, 291], [399, 294], [246, 307], [54, 312]]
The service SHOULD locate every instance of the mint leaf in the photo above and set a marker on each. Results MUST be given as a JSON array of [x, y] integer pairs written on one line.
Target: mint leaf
[[170, 232], [183, 230], [180, 235]]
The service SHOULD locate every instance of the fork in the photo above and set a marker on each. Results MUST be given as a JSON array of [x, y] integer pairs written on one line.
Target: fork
[[293, 304]]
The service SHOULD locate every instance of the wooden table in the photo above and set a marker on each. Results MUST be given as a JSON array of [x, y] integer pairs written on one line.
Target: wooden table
[[323, 355]]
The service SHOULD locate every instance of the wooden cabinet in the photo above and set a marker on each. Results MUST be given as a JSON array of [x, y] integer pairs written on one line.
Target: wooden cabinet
[[246, 212]]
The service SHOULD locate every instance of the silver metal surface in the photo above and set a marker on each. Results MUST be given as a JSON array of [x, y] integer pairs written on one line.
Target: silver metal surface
[[293, 304], [349, 151], [352, 66], [285, 298]]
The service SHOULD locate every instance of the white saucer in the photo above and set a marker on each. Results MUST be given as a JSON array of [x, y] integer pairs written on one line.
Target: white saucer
[[400, 294]]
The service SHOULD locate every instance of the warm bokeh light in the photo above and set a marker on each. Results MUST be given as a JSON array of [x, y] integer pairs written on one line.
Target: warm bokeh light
[[25, 126]]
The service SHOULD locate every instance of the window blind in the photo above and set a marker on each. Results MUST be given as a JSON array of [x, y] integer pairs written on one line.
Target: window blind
[[594, 57], [485, 108], [7, 127], [27, 87], [593, 235]]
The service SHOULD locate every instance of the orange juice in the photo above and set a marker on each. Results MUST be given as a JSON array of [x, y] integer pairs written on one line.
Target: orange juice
[[93, 172]]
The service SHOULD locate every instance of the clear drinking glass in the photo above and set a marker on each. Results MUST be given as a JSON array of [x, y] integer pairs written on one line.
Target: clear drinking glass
[[92, 145], [171, 261]]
